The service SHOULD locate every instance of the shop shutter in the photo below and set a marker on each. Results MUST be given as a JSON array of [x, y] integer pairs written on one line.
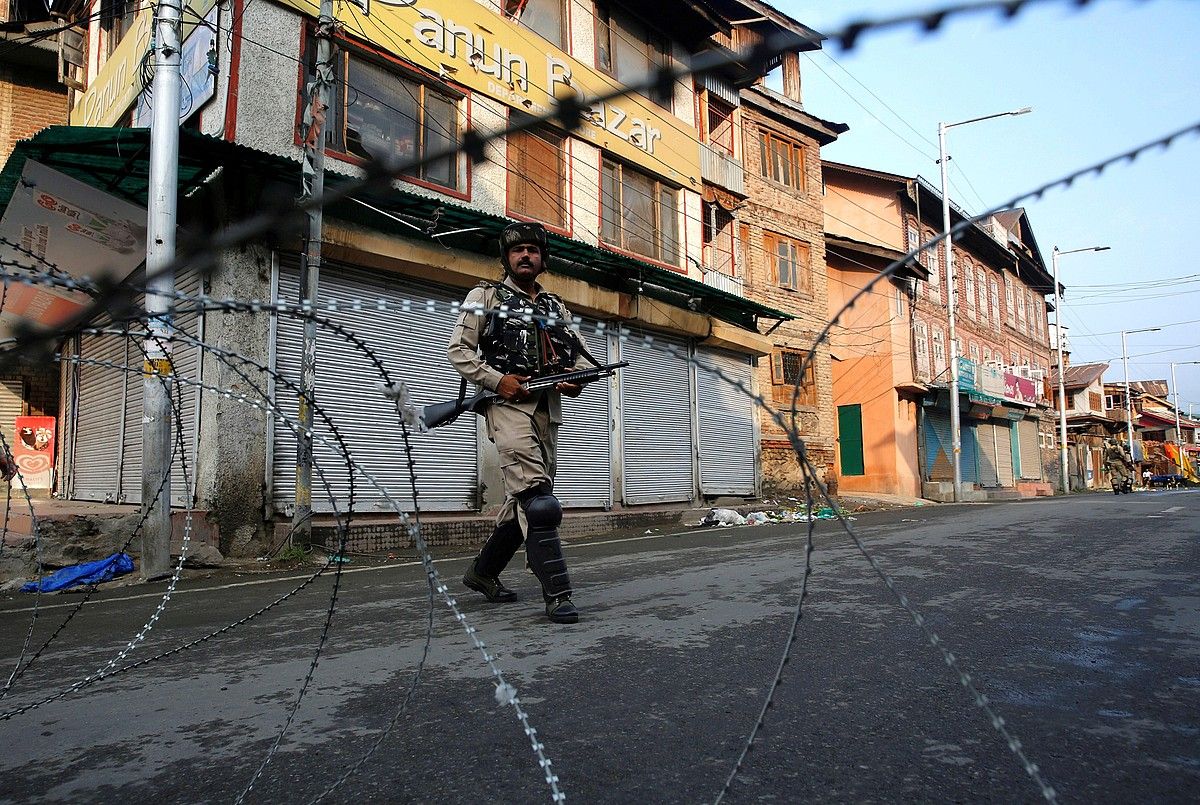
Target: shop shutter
[[584, 474], [1031, 454], [969, 461], [407, 325], [99, 423], [656, 422], [12, 405], [184, 405], [1004, 455], [985, 433], [726, 419], [938, 446]]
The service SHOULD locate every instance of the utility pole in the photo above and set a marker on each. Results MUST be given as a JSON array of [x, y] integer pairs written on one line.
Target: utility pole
[[1062, 370], [162, 203], [313, 179], [952, 295]]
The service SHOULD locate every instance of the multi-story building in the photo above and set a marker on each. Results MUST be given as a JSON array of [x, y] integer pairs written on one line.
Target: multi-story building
[[32, 97], [625, 197], [1002, 343], [1088, 422]]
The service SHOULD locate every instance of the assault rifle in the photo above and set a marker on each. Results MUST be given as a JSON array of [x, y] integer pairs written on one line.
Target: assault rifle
[[440, 414]]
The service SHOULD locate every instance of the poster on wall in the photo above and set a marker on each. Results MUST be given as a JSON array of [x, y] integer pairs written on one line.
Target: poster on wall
[[197, 74], [58, 226], [33, 451]]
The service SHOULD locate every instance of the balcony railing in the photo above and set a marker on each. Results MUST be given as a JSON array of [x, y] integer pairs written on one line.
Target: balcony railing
[[723, 282], [720, 169]]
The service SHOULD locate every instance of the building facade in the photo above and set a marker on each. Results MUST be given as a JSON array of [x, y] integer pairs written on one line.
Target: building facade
[[624, 197], [1002, 343]]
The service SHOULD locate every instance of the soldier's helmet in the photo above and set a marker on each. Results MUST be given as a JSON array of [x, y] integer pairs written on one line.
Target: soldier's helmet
[[523, 232]]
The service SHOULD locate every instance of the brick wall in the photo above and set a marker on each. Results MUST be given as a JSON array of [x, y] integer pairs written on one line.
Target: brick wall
[[776, 208], [28, 104]]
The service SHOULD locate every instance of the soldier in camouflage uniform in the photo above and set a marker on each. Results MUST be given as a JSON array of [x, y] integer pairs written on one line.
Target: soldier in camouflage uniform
[[500, 353]]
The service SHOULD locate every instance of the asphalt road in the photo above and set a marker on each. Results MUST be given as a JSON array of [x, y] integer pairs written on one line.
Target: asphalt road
[[1080, 618]]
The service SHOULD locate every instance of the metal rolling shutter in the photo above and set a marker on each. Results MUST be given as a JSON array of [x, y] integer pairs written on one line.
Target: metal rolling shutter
[[988, 464], [584, 473], [1031, 454], [184, 397], [99, 423], [726, 416], [656, 422], [12, 404], [1004, 458], [938, 446], [409, 337], [968, 462]]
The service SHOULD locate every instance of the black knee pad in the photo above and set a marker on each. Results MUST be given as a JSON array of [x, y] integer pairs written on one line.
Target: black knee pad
[[543, 511]]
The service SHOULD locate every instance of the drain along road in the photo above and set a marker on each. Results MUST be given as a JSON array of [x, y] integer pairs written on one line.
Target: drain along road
[[1079, 618]]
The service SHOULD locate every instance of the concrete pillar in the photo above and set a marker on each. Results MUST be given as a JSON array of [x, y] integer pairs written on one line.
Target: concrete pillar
[[232, 455]]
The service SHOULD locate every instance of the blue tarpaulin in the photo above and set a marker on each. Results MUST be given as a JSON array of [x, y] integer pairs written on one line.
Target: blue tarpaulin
[[87, 573]]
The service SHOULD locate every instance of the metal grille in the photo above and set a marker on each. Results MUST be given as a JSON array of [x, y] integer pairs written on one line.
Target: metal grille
[[1031, 454], [99, 421], [988, 462]]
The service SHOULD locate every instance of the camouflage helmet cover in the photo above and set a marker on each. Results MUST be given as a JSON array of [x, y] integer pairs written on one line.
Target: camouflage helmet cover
[[523, 232]]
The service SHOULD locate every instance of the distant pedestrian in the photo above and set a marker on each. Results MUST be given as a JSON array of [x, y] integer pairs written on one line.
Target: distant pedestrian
[[1146, 476]]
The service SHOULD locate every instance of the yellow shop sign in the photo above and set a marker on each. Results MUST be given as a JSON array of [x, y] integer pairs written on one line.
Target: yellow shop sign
[[476, 47]]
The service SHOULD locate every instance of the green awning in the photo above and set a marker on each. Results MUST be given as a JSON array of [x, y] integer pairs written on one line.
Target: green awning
[[117, 160]]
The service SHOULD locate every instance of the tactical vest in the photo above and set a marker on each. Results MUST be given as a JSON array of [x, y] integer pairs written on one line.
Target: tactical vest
[[512, 345]]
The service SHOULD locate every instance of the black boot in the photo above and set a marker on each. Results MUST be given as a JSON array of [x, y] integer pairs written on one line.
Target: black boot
[[544, 549], [483, 574]]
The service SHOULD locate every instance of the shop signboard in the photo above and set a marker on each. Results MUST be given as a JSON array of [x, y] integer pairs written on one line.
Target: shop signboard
[[990, 381], [966, 375], [197, 74], [1019, 389], [471, 44]]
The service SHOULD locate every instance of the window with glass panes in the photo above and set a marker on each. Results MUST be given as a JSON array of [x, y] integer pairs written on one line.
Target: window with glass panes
[[537, 182], [720, 124], [116, 20], [781, 160], [380, 113], [639, 213], [789, 261], [789, 367], [543, 17], [717, 236], [628, 49]]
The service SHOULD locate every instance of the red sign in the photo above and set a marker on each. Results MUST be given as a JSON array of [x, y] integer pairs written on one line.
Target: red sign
[[1019, 389], [33, 450]]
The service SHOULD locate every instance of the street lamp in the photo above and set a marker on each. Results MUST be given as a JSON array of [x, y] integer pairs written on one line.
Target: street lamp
[[1062, 370], [1128, 398], [1178, 432], [955, 427]]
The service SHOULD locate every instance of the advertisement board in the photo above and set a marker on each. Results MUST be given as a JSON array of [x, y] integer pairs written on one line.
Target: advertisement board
[[33, 450], [197, 74]]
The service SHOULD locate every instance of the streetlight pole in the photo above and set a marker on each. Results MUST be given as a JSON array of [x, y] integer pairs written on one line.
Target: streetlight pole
[[1175, 388], [1062, 370], [1128, 398], [952, 293]]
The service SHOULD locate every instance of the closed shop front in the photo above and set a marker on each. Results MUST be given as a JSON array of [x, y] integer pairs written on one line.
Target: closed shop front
[[969, 461], [408, 337], [938, 450], [1004, 451], [656, 422], [584, 477], [1031, 454], [106, 456], [988, 460], [726, 424]]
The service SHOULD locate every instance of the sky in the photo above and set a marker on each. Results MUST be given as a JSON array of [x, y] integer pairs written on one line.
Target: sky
[[1101, 80]]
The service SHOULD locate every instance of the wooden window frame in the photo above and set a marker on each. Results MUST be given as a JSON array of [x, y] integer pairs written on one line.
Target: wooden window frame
[[782, 386], [718, 241], [721, 142], [797, 164], [771, 243], [514, 9], [337, 124], [662, 252], [520, 183], [658, 48]]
